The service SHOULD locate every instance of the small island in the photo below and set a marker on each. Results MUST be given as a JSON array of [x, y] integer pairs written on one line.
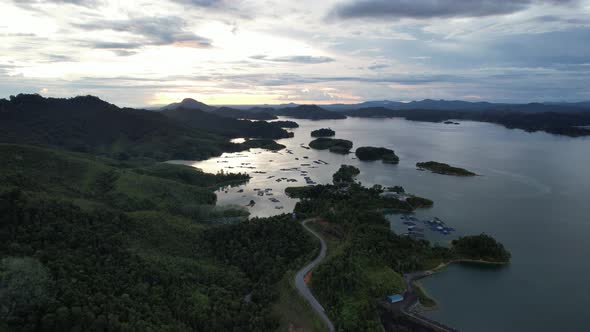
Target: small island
[[341, 146], [285, 124], [369, 153], [446, 169], [451, 122], [323, 132]]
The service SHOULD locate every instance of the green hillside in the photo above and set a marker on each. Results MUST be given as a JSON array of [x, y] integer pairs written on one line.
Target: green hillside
[[89, 243]]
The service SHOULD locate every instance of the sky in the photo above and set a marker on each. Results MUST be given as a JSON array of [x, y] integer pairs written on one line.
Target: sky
[[142, 53]]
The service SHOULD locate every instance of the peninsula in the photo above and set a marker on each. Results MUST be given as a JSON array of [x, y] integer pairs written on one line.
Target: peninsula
[[367, 261]]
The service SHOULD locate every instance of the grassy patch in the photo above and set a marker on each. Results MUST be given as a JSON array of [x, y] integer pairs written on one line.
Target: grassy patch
[[383, 280]]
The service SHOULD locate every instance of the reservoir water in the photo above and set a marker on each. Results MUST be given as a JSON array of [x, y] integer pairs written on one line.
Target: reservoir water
[[532, 196]]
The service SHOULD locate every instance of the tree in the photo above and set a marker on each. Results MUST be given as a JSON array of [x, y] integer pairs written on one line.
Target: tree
[[24, 285]]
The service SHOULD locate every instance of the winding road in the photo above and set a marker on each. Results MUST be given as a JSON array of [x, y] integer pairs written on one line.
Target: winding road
[[300, 279]]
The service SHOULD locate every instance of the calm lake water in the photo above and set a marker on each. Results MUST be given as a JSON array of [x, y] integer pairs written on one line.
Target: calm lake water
[[532, 196]]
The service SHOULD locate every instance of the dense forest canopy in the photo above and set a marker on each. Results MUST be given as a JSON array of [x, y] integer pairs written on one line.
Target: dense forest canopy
[[93, 243], [285, 124], [369, 153], [90, 243], [345, 175], [323, 132], [480, 247], [341, 146]]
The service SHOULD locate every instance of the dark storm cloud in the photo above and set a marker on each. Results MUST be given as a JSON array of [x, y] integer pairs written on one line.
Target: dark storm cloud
[[152, 31], [295, 59], [425, 9]]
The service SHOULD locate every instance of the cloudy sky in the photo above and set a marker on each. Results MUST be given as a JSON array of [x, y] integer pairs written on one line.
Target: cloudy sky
[[138, 53]]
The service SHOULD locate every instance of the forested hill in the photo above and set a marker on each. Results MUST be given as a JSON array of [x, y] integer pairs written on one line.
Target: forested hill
[[312, 112], [190, 104], [461, 105], [240, 114], [88, 124], [225, 126], [560, 123]]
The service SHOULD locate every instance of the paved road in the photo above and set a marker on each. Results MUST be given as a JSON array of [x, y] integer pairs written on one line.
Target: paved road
[[302, 287]]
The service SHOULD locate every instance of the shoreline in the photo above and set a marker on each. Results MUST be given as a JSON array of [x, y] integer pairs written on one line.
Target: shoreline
[[465, 261], [412, 307], [439, 268]]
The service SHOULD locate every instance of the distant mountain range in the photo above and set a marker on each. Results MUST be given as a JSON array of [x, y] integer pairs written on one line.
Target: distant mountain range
[[562, 118], [426, 104], [313, 112]]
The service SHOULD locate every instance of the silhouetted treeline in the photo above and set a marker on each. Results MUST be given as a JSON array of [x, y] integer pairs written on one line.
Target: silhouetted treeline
[[312, 112], [208, 121], [560, 123], [88, 124], [286, 124], [239, 114]]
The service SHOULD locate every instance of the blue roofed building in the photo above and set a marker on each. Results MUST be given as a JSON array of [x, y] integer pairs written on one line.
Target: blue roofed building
[[395, 298]]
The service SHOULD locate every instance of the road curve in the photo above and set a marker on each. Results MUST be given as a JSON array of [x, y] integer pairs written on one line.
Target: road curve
[[300, 279]]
